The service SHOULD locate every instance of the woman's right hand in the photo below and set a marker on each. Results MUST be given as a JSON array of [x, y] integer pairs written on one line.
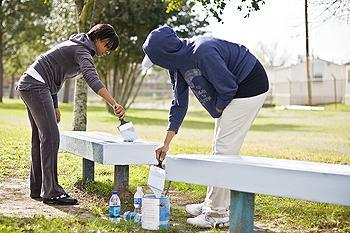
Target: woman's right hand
[[119, 111], [161, 151]]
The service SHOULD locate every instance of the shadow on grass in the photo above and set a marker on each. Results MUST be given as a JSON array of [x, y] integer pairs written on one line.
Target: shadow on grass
[[202, 125], [277, 127], [98, 188], [103, 190], [13, 106], [178, 214], [63, 107], [190, 124]]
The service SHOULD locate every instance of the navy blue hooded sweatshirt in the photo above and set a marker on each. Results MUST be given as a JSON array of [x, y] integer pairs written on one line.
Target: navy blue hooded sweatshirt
[[211, 67]]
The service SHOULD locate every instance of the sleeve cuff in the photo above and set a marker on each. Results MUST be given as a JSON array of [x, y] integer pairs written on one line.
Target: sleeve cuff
[[55, 100], [173, 126], [98, 86], [222, 104]]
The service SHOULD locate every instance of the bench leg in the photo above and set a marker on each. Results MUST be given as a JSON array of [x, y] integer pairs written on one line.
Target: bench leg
[[88, 170], [121, 178], [241, 212]]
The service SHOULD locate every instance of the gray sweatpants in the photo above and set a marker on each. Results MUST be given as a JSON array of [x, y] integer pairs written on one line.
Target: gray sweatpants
[[45, 142]]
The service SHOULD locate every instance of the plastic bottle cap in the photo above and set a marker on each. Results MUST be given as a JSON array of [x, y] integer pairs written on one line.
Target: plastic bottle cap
[[114, 192]]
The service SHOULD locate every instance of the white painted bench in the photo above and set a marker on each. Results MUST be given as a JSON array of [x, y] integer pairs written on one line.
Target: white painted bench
[[246, 175], [106, 148]]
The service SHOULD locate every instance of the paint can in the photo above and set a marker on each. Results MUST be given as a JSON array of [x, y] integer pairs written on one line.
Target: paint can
[[155, 212]]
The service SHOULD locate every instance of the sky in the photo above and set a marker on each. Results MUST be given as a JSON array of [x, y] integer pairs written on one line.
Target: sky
[[282, 22]]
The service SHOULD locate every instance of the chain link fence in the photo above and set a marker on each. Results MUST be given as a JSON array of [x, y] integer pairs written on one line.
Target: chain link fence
[[322, 92]]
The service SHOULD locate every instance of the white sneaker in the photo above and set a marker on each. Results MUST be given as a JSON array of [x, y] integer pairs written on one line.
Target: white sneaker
[[205, 221], [194, 209]]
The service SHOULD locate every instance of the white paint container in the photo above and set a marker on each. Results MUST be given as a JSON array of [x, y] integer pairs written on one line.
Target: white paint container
[[155, 212]]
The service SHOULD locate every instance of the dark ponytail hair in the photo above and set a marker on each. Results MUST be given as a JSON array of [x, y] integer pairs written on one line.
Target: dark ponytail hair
[[102, 32]]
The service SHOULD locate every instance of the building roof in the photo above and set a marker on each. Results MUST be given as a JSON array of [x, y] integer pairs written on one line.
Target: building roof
[[311, 61]]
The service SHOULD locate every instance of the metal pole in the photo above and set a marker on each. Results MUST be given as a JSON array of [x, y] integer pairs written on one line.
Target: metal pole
[[309, 93], [241, 212], [335, 90], [290, 91]]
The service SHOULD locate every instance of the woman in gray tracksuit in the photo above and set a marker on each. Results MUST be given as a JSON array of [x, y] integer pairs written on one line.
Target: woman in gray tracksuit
[[38, 88]]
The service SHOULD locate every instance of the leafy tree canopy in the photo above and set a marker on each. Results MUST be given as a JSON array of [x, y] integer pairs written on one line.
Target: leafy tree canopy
[[216, 7], [23, 28]]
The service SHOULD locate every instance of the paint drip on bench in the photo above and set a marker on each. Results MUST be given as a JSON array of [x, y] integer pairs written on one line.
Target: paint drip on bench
[[155, 212]]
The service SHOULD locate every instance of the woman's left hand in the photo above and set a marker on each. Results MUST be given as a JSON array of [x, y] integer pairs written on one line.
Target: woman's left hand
[[219, 110], [161, 151], [58, 115]]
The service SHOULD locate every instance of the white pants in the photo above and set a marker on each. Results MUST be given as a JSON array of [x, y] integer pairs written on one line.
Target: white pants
[[230, 131]]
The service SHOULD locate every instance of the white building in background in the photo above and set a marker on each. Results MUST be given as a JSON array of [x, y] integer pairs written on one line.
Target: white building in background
[[329, 83], [347, 84], [288, 85]]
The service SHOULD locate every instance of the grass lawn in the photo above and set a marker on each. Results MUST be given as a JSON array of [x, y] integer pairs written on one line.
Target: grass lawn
[[320, 136]]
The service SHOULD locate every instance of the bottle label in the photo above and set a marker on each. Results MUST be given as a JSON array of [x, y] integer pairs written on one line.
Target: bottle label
[[137, 201], [114, 211]]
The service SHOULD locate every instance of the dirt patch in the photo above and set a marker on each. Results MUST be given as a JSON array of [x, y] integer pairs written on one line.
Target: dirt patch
[[178, 198], [15, 201]]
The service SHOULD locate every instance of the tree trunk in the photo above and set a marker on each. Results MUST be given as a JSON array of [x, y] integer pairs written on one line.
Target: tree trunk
[[80, 106], [12, 89], [1, 54], [66, 91], [80, 94]]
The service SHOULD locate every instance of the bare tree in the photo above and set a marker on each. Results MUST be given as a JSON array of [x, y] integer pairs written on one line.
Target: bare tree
[[333, 9], [271, 55]]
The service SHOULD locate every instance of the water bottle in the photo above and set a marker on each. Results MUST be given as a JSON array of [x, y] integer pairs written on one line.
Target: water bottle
[[114, 207], [138, 200], [132, 216]]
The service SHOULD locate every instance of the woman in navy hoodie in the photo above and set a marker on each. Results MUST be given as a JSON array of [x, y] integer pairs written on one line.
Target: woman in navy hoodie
[[229, 82], [38, 88]]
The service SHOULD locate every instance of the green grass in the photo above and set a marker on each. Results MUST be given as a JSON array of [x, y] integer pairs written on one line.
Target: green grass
[[320, 136]]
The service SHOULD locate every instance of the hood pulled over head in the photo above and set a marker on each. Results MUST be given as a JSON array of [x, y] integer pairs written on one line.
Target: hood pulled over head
[[164, 48]]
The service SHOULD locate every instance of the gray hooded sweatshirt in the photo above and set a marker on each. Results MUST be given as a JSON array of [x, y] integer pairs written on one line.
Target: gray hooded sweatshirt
[[64, 61]]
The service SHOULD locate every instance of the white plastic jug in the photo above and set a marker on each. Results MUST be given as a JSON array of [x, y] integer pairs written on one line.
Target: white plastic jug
[[155, 212]]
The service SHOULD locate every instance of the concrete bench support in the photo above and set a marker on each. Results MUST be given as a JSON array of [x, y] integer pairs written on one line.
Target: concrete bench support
[[108, 149], [121, 178], [242, 218], [88, 170]]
